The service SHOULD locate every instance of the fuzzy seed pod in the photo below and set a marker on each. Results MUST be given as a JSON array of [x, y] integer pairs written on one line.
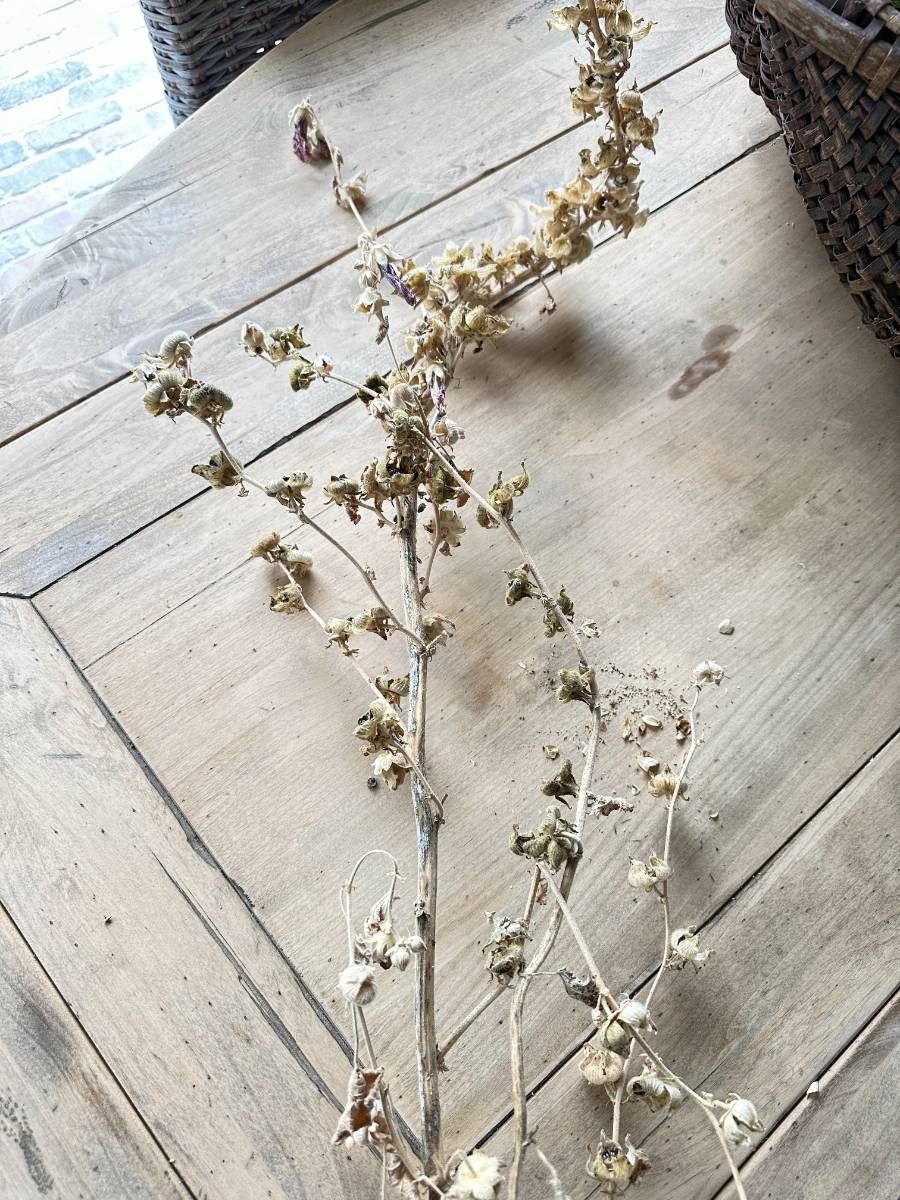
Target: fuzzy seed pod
[[357, 983], [265, 546], [175, 349], [287, 599]]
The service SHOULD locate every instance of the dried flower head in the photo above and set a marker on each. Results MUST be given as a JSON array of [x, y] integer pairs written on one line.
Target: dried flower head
[[708, 672], [562, 784], [576, 685], [174, 351], [288, 598], [506, 949], [740, 1120], [219, 471], [552, 842], [477, 1177], [664, 783], [644, 876], [289, 489], [564, 605], [308, 142], [266, 546], [657, 1090], [599, 1066], [684, 945], [616, 1164], [520, 586]]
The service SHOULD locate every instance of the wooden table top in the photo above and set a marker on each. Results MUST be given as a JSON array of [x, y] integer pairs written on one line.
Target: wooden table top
[[711, 433]]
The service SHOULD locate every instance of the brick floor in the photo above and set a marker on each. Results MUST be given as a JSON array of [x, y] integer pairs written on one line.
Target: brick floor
[[80, 103]]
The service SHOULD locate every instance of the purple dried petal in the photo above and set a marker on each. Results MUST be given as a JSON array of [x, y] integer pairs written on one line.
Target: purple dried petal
[[305, 150], [438, 394], [397, 284]]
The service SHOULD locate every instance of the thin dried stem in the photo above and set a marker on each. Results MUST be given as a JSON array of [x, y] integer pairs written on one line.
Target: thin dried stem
[[664, 898], [606, 995], [468, 1020], [706, 1106], [517, 1054], [427, 825]]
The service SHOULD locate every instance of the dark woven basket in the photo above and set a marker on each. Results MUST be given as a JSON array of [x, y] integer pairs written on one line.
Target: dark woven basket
[[200, 45], [829, 71]]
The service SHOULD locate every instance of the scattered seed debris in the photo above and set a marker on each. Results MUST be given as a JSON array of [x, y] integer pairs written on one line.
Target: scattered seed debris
[[648, 763], [713, 814], [726, 626], [551, 751]]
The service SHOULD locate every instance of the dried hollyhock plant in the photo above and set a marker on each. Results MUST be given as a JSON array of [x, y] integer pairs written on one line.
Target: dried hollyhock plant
[[429, 316]]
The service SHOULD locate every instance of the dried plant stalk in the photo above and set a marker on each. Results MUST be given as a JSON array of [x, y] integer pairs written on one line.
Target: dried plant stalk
[[457, 300]]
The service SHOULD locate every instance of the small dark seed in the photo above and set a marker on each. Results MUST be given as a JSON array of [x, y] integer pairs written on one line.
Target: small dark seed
[[372, 783]]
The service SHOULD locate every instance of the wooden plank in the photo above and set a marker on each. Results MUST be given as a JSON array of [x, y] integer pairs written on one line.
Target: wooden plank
[[811, 1151], [177, 226], [190, 1004], [67, 1129], [94, 502], [800, 970], [663, 509]]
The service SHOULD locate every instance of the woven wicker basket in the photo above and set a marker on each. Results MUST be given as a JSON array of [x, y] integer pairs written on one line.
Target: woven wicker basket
[[200, 45], [829, 71]]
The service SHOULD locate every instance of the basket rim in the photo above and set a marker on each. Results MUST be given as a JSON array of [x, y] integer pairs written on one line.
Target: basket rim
[[872, 52]]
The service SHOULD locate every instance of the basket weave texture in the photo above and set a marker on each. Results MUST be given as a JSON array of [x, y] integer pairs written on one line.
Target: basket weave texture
[[829, 71], [201, 45]]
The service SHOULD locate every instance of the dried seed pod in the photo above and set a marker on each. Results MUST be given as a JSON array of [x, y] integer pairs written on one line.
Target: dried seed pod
[[576, 685], [476, 1178], [740, 1120], [288, 599], [662, 784], [618, 1165], [357, 983], [266, 545], [218, 471], [599, 1066], [684, 945], [656, 1090], [708, 672], [562, 784]]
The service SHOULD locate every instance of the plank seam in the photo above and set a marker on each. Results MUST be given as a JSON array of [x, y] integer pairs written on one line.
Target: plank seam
[[487, 173], [644, 977], [199, 846], [170, 1162]]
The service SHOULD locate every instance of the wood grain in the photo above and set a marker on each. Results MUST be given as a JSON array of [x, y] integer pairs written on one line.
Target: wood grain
[[189, 1002], [665, 497], [835, 1141], [221, 213], [74, 487], [804, 960], [66, 1129]]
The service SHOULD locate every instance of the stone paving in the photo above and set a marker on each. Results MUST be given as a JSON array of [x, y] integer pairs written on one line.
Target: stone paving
[[80, 103]]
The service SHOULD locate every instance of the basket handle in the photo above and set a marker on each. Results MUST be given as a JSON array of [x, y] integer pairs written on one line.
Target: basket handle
[[857, 49]]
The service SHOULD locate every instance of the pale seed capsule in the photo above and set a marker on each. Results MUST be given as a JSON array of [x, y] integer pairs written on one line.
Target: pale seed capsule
[[600, 1066], [740, 1120], [357, 983]]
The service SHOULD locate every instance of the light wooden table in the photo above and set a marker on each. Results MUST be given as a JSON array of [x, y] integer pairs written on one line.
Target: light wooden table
[[176, 814]]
